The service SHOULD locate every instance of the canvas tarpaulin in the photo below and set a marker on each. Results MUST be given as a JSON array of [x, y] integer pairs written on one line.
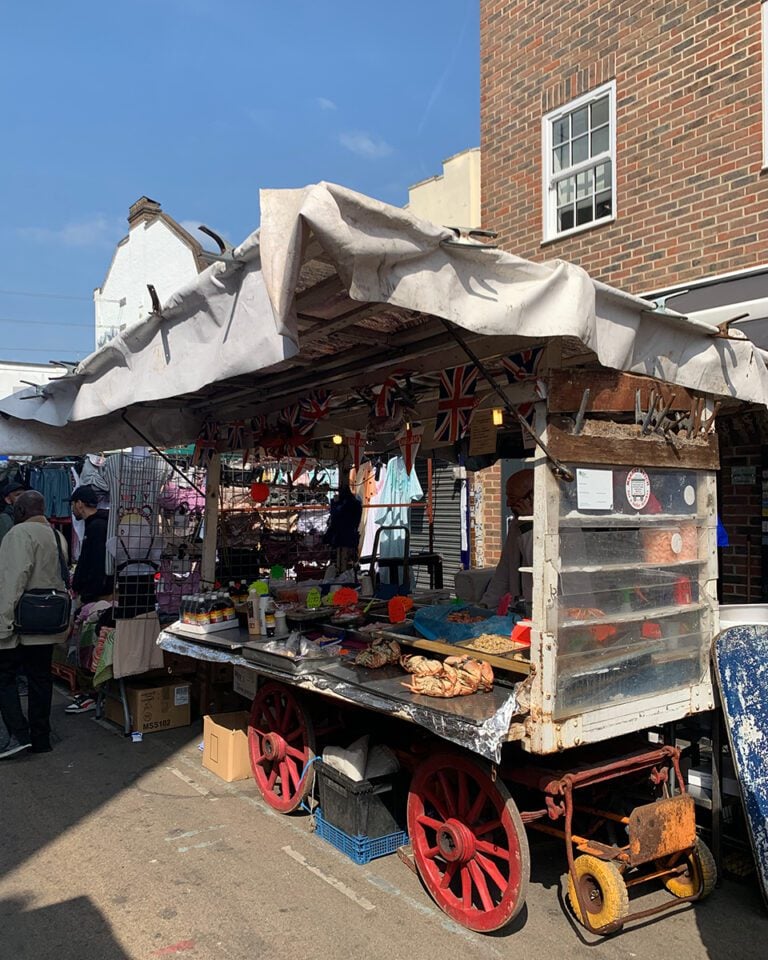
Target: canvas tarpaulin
[[238, 316]]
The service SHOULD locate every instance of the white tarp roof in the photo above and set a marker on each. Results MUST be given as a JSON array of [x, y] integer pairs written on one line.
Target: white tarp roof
[[238, 317]]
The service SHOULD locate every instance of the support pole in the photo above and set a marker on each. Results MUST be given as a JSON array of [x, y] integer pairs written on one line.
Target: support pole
[[210, 521]]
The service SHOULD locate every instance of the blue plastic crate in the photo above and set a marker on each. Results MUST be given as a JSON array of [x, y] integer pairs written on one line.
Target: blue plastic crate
[[360, 849]]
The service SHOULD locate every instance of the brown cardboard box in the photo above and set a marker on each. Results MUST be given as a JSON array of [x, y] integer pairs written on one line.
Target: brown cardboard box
[[153, 706], [225, 745]]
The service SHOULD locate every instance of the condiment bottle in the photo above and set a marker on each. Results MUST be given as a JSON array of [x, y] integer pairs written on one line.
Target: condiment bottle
[[254, 617], [281, 624]]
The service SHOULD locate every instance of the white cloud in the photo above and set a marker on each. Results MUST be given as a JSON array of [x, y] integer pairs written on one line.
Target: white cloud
[[98, 231], [365, 146], [325, 104]]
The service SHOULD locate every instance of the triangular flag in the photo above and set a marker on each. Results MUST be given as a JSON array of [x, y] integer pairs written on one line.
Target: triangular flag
[[356, 443], [409, 441]]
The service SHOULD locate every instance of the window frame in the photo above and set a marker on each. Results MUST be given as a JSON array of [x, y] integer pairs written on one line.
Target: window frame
[[550, 232], [764, 47]]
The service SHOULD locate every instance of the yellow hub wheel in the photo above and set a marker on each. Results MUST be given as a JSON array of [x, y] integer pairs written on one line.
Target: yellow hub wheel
[[700, 874], [602, 889]]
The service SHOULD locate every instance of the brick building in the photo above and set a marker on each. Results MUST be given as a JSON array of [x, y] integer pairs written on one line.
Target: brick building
[[631, 138]]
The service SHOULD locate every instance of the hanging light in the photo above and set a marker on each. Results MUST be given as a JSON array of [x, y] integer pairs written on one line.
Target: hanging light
[[498, 416], [337, 439]]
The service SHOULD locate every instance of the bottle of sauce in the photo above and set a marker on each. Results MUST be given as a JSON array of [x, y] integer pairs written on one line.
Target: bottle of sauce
[[254, 611], [268, 609]]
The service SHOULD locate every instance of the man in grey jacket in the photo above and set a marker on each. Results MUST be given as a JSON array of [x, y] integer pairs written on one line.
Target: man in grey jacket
[[29, 559]]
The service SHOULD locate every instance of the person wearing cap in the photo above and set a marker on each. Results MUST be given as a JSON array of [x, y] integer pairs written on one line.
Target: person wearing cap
[[90, 580], [10, 494], [518, 546]]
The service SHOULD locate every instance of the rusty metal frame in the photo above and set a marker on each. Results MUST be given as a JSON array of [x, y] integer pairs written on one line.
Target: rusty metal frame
[[563, 786]]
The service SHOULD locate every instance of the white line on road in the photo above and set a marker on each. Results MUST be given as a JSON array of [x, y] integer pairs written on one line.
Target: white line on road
[[331, 881], [198, 846], [189, 781]]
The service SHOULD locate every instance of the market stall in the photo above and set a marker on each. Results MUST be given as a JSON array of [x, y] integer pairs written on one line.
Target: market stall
[[394, 336]]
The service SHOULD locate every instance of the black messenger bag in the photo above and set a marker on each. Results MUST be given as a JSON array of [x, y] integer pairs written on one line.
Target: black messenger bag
[[45, 610]]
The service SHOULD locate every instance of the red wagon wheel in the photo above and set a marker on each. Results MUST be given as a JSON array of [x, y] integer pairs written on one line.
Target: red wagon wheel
[[468, 841], [281, 742]]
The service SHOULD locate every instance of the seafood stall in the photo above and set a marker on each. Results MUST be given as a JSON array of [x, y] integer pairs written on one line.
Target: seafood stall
[[346, 328], [535, 723]]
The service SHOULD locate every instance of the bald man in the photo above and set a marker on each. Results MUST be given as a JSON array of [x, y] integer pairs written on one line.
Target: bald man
[[518, 546], [29, 560]]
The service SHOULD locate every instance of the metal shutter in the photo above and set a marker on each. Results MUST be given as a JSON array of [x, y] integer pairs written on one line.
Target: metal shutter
[[446, 495]]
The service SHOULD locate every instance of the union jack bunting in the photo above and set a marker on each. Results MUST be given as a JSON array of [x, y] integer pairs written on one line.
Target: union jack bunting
[[455, 402], [315, 406], [386, 398], [206, 444], [409, 441], [234, 436], [296, 443], [523, 365]]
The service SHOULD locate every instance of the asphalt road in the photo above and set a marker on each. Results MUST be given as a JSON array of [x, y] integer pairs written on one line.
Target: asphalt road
[[112, 849]]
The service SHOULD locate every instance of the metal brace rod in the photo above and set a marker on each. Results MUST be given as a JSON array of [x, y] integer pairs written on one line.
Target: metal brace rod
[[559, 469], [124, 418]]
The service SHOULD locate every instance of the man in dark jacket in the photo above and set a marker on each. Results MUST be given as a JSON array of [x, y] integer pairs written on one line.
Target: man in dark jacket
[[90, 580]]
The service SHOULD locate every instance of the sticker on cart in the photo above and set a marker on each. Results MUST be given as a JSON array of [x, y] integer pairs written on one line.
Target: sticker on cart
[[638, 489], [676, 543], [689, 495], [181, 696], [594, 489]]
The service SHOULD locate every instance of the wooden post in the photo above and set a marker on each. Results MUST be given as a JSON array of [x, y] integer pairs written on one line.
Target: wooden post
[[210, 521]]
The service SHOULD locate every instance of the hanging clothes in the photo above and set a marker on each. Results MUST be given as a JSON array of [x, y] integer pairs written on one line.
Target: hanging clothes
[[55, 484], [374, 485], [402, 488]]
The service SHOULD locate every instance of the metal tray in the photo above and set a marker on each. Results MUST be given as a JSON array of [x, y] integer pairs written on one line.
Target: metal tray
[[297, 666]]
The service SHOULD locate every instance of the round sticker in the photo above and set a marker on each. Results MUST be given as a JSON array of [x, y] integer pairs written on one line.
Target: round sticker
[[638, 489], [676, 543], [689, 495]]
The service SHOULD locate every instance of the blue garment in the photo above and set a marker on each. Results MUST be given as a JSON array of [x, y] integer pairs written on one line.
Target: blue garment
[[399, 488], [55, 485], [722, 535]]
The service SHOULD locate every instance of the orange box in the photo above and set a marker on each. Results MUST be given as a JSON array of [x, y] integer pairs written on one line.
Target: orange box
[[225, 745]]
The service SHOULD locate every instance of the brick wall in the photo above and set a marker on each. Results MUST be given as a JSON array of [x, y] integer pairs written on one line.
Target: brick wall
[[691, 199], [741, 445], [486, 533]]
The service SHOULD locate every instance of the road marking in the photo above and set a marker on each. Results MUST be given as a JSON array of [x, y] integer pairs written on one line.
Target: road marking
[[189, 781], [331, 881], [198, 846], [174, 948], [192, 833]]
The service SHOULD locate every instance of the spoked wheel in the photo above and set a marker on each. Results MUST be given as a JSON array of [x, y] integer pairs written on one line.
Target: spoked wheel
[[469, 842], [603, 892], [281, 742], [698, 876]]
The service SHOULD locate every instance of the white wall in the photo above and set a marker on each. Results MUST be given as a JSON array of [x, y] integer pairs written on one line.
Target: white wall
[[12, 374], [151, 253], [452, 198]]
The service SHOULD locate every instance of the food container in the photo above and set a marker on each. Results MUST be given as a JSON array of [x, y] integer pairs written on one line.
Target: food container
[[674, 544]]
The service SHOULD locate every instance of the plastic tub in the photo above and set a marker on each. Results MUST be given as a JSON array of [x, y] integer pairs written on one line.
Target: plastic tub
[[742, 614]]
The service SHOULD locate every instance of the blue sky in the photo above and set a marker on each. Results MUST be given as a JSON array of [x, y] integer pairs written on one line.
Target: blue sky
[[199, 104]]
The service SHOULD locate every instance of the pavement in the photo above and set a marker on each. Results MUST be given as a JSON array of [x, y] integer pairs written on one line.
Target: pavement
[[115, 850]]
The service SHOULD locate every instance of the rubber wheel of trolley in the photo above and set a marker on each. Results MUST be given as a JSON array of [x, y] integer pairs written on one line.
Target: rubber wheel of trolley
[[281, 742], [469, 843], [700, 874], [603, 891]]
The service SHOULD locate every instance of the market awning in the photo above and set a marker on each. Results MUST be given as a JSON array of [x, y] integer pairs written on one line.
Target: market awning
[[338, 288]]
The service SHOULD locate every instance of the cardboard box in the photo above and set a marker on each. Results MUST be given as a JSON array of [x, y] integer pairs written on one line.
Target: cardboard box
[[153, 706], [245, 682], [225, 745]]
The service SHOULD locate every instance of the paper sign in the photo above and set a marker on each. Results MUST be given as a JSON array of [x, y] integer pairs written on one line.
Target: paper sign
[[743, 475], [482, 433], [181, 696], [594, 489]]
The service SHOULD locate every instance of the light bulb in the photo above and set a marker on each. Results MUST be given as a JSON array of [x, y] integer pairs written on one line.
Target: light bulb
[[337, 439], [498, 416]]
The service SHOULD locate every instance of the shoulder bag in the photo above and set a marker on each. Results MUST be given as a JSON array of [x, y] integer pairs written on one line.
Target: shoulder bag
[[45, 610]]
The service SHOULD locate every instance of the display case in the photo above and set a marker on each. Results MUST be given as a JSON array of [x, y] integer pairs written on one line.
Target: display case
[[625, 602]]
